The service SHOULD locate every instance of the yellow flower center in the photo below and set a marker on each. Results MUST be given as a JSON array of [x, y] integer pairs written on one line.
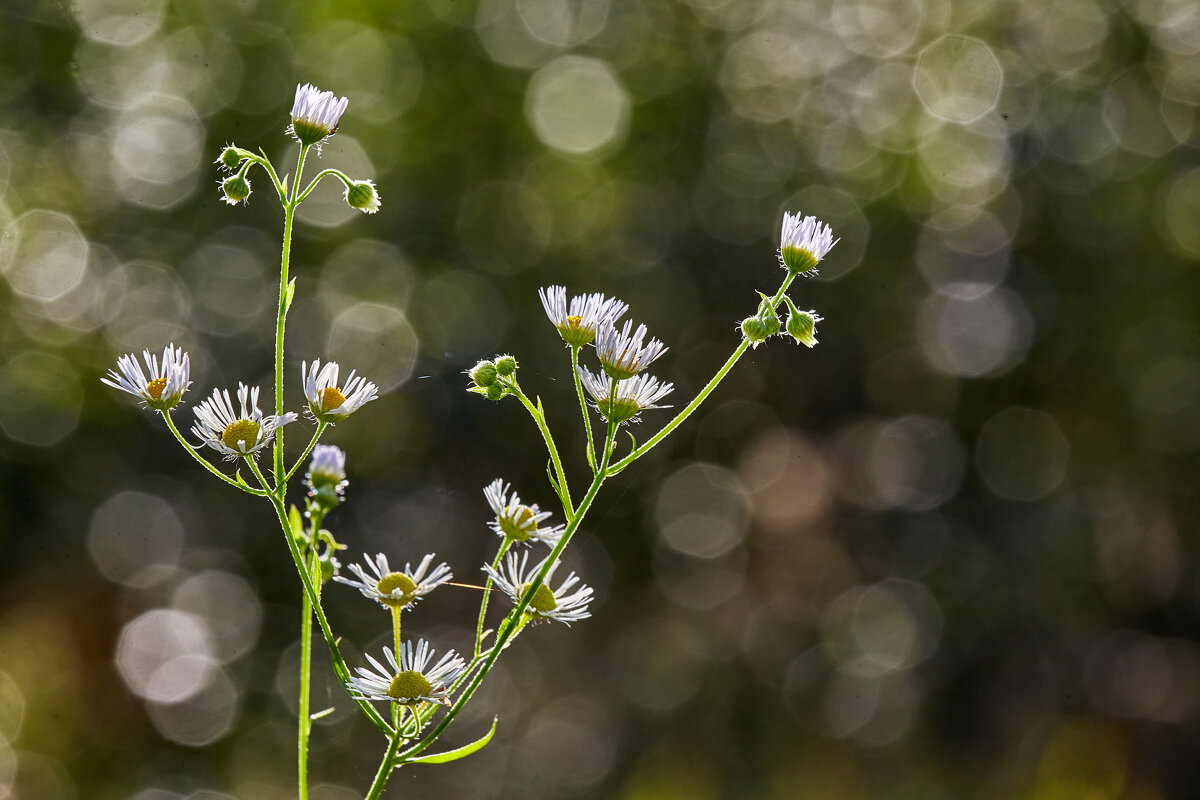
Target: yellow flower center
[[518, 525], [409, 686], [574, 322], [155, 388], [396, 581], [241, 435], [331, 398], [543, 600]]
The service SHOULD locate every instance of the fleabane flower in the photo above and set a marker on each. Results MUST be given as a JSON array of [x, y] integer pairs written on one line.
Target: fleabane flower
[[411, 680], [516, 521], [315, 114], [803, 243], [560, 605], [622, 353], [632, 396], [327, 402], [232, 434], [168, 379], [397, 590], [577, 323]]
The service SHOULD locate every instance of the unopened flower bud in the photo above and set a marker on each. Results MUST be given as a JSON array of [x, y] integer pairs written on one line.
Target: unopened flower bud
[[362, 195], [483, 373], [755, 329], [506, 366], [236, 189], [230, 158], [495, 391], [802, 325]]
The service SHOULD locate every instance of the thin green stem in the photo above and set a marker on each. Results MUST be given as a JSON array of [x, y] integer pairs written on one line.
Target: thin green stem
[[317, 179], [514, 621], [564, 493], [385, 767], [316, 437], [204, 463], [587, 420], [700, 398], [306, 611], [335, 653], [487, 591], [289, 214]]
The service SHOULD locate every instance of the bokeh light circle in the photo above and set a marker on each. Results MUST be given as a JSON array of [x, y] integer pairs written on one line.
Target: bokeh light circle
[[958, 78], [134, 537], [577, 105], [42, 398], [375, 340]]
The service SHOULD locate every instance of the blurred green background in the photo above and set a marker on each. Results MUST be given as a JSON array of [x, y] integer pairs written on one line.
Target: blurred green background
[[945, 554]]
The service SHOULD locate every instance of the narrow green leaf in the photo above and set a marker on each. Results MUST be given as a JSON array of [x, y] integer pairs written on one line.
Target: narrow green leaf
[[296, 520], [291, 290], [550, 477], [455, 755], [632, 440]]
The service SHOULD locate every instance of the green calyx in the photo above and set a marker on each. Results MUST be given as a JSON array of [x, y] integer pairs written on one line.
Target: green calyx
[[797, 260], [236, 188], [543, 601], [506, 366], [801, 325]]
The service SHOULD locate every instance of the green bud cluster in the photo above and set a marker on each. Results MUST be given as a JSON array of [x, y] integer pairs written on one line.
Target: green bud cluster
[[801, 325], [494, 379]]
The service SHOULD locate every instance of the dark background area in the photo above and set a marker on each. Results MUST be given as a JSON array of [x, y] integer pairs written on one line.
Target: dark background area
[[946, 553]]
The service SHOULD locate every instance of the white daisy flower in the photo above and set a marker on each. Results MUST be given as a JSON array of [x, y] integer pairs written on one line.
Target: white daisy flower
[[803, 243], [315, 114], [168, 380], [633, 395], [397, 589], [236, 435], [622, 354], [516, 521], [411, 680], [556, 604], [577, 323], [326, 401]]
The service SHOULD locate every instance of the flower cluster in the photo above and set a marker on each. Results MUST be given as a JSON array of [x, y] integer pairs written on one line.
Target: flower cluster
[[803, 242]]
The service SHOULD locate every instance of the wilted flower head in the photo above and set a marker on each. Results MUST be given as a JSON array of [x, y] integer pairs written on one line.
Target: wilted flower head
[[411, 680], [577, 324], [621, 353], [315, 114], [327, 402], [397, 590], [803, 243], [232, 434], [168, 380], [632, 396], [556, 604], [516, 521]]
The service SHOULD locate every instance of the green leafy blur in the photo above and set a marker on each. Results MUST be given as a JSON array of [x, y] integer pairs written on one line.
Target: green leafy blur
[[943, 554]]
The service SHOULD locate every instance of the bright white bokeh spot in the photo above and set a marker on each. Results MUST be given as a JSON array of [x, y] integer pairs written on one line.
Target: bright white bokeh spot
[[964, 251], [958, 78], [44, 255], [577, 105], [877, 28], [145, 304], [974, 334], [914, 463], [563, 23], [375, 340], [870, 631], [1022, 453], [134, 537], [119, 22], [227, 605], [166, 656], [701, 511], [42, 398], [157, 152], [201, 719]]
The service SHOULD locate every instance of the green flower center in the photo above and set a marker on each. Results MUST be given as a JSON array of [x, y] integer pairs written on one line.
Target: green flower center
[[331, 398], [409, 686], [155, 388], [241, 435], [543, 601], [392, 582], [519, 524]]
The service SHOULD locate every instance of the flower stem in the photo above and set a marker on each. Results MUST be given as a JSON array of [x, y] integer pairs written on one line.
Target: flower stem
[[385, 767], [192, 452], [289, 214], [335, 653], [316, 437], [564, 493], [700, 398], [487, 591], [587, 421], [305, 718]]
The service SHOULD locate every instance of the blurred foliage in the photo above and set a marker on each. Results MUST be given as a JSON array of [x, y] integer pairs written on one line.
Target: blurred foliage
[[944, 554]]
